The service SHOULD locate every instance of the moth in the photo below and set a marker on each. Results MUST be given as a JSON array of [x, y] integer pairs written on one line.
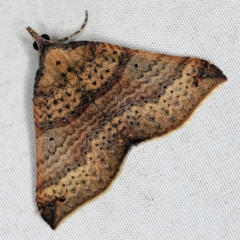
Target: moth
[[92, 101]]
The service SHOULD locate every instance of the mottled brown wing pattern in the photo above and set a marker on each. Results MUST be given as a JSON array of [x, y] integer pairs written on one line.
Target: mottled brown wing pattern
[[92, 101]]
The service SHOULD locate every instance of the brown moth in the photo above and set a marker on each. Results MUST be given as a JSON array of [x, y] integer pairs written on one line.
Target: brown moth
[[92, 101]]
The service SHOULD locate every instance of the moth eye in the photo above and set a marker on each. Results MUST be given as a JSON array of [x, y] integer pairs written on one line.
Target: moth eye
[[45, 36], [35, 46]]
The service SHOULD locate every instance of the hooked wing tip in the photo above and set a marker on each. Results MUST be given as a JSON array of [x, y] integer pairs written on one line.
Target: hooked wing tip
[[211, 71], [48, 213]]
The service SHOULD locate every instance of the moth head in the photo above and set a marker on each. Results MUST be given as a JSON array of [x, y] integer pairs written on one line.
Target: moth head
[[44, 39], [40, 41]]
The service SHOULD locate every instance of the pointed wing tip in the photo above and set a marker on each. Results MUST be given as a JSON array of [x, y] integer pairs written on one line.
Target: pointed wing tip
[[213, 71], [48, 213], [218, 73], [51, 222]]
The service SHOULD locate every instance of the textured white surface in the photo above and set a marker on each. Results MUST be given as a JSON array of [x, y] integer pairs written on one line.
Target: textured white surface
[[185, 185]]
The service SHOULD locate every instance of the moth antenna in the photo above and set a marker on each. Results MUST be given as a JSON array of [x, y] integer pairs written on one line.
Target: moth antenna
[[78, 31]]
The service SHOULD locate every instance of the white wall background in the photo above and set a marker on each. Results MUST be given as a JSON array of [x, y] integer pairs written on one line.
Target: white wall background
[[185, 185]]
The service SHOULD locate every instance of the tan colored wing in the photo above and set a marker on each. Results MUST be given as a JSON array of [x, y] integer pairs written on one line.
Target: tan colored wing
[[92, 101]]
